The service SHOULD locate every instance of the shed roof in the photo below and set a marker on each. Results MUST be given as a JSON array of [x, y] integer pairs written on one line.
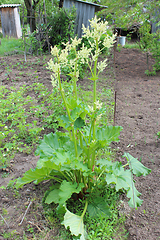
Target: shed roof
[[90, 3], [9, 5]]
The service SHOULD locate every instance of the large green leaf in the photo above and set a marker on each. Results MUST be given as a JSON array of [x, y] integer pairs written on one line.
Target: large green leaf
[[98, 207], [55, 146], [123, 180], [67, 189], [133, 194], [104, 136], [62, 156], [75, 164], [79, 123], [106, 164], [75, 223], [48, 145], [49, 163], [32, 175], [75, 113], [53, 196], [137, 167], [78, 164], [56, 150], [71, 102], [64, 121], [69, 147], [108, 134]]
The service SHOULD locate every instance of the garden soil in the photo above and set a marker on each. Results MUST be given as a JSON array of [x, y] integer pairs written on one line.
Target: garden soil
[[137, 111]]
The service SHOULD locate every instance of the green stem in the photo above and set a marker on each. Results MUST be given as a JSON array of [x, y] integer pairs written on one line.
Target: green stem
[[70, 175], [93, 161], [125, 165], [94, 95], [74, 140], [80, 139], [90, 133], [75, 78], [68, 112], [88, 156], [75, 87], [65, 176], [85, 209], [94, 106], [63, 96], [99, 176], [84, 137], [56, 179]]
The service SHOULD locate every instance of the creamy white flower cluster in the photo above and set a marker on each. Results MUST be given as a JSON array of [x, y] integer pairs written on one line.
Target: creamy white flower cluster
[[98, 106], [84, 55], [96, 30]]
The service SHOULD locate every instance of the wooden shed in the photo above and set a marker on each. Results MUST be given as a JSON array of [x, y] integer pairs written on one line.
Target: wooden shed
[[10, 20], [154, 23], [85, 12]]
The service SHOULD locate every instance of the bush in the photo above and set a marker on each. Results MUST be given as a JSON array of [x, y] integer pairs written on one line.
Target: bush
[[61, 26]]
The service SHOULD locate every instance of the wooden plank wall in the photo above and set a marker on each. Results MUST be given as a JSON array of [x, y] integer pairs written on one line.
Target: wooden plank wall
[[84, 11], [8, 22], [157, 15]]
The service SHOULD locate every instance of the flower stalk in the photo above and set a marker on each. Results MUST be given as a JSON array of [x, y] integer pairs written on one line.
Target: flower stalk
[[87, 56]]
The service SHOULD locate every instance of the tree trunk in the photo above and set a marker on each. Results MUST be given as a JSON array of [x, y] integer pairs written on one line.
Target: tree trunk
[[31, 7]]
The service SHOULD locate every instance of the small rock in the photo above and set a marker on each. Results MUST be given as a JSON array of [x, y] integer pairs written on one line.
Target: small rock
[[5, 199], [132, 231], [7, 169]]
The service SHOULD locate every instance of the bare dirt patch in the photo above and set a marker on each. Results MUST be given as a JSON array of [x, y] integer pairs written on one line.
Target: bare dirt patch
[[138, 112]]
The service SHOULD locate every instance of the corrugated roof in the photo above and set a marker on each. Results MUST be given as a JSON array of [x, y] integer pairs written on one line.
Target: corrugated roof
[[94, 4], [9, 5]]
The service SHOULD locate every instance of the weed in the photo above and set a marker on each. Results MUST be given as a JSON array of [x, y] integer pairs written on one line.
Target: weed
[[150, 73], [9, 235], [130, 45], [17, 133], [5, 174]]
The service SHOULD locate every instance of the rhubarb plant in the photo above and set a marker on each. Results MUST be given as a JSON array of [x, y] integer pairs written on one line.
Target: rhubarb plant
[[70, 158]]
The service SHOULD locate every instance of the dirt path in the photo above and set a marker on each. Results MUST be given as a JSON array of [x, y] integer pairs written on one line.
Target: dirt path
[[138, 112]]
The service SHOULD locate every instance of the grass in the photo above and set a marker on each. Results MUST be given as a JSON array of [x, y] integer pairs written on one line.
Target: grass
[[128, 45], [9, 45], [131, 45]]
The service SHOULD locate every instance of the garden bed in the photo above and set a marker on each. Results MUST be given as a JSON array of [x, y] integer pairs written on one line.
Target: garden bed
[[138, 103]]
